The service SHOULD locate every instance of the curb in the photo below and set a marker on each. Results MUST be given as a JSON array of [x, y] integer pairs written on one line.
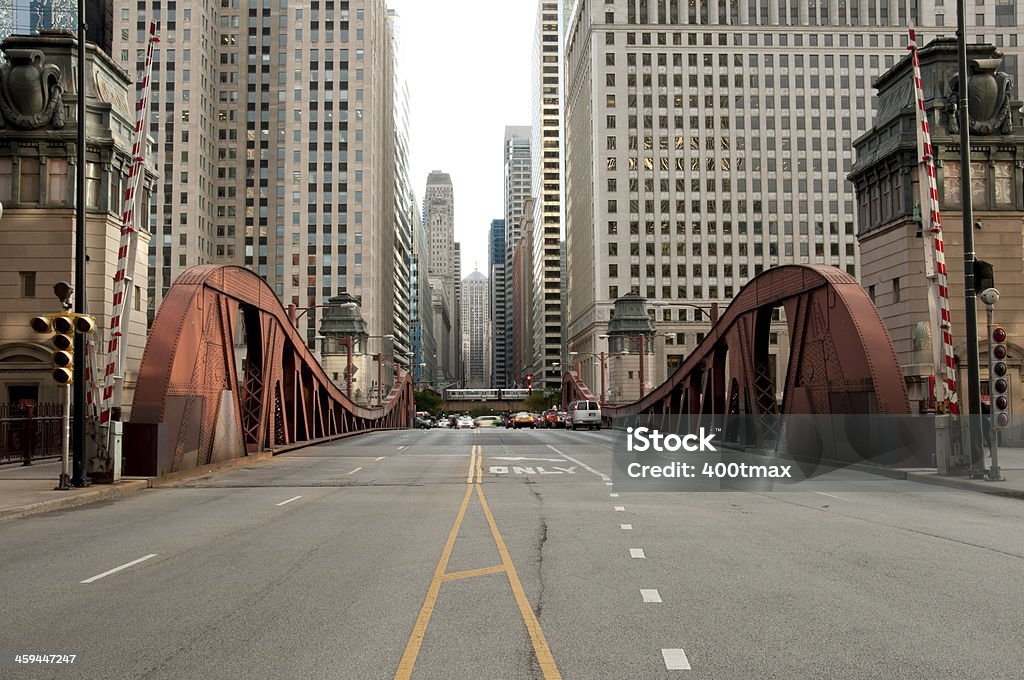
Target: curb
[[990, 488], [910, 475], [95, 495]]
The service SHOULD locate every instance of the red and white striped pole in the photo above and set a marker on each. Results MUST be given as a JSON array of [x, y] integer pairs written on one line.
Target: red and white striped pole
[[114, 370], [932, 223]]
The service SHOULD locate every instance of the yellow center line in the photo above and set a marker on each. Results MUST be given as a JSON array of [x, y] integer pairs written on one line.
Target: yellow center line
[[472, 466], [483, 571], [540, 644], [545, 659], [412, 648]]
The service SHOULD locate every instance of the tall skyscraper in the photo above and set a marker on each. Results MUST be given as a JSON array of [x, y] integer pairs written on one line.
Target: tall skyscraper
[[707, 142], [277, 149], [424, 346], [476, 319], [517, 171], [496, 268], [457, 325], [439, 221], [546, 191]]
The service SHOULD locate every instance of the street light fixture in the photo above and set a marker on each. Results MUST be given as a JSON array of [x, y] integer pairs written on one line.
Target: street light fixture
[[379, 358]]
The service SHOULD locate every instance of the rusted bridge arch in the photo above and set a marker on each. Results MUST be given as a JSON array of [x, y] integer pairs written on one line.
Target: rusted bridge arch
[[198, 401], [841, 359]]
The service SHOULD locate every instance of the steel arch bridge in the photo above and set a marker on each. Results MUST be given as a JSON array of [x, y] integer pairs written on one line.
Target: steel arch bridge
[[198, 400], [841, 360]]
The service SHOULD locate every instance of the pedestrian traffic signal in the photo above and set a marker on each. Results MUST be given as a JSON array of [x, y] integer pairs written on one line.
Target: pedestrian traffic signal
[[998, 381]]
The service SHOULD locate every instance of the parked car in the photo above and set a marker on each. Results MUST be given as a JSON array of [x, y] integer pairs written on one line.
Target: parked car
[[585, 414], [464, 422], [487, 421], [523, 419]]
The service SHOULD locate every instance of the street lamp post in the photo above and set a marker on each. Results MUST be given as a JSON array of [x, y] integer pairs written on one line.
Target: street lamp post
[[379, 358]]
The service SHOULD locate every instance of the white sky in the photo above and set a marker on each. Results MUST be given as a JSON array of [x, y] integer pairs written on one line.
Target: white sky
[[468, 65]]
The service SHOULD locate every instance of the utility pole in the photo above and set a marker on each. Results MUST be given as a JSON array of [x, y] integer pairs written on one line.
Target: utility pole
[[80, 475], [970, 303]]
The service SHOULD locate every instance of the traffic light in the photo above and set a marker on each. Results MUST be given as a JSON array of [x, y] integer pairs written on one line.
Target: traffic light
[[63, 327], [64, 347], [998, 382], [529, 381]]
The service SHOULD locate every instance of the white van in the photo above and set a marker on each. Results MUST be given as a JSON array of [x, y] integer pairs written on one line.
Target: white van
[[585, 414]]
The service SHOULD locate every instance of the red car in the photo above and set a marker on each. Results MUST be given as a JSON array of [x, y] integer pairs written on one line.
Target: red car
[[552, 418]]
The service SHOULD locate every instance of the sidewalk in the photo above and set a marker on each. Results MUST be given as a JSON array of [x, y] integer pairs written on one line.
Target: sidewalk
[[27, 490], [1011, 465]]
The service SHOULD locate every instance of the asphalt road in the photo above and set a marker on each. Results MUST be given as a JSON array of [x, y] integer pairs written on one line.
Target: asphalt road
[[499, 554]]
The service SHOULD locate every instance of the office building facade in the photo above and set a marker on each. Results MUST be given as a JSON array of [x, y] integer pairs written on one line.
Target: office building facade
[[546, 180], [276, 141], [518, 168], [706, 142], [496, 271], [477, 329]]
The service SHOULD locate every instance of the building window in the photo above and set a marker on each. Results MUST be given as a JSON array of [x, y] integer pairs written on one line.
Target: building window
[[92, 185], [29, 180], [896, 296], [6, 179], [28, 284], [57, 181]]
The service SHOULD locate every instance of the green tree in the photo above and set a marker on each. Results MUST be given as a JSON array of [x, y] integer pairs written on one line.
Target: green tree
[[429, 402], [539, 401]]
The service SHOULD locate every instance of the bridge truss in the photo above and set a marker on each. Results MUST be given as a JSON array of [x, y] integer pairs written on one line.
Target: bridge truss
[[841, 361], [225, 374]]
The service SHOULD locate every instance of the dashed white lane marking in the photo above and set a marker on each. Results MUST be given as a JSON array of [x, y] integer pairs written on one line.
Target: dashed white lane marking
[[402, 448], [822, 493], [289, 500], [607, 483], [614, 495], [354, 471], [637, 553], [97, 577], [650, 595], [382, 457], [675, 660], [583, 465], [626, 527], [620, 508]]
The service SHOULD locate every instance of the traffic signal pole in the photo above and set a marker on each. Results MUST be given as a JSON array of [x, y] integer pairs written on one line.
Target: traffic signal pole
[[80, 476], [65, 462]]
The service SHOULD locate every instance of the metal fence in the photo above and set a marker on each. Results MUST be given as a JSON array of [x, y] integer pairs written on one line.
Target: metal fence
[[30, 433]]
